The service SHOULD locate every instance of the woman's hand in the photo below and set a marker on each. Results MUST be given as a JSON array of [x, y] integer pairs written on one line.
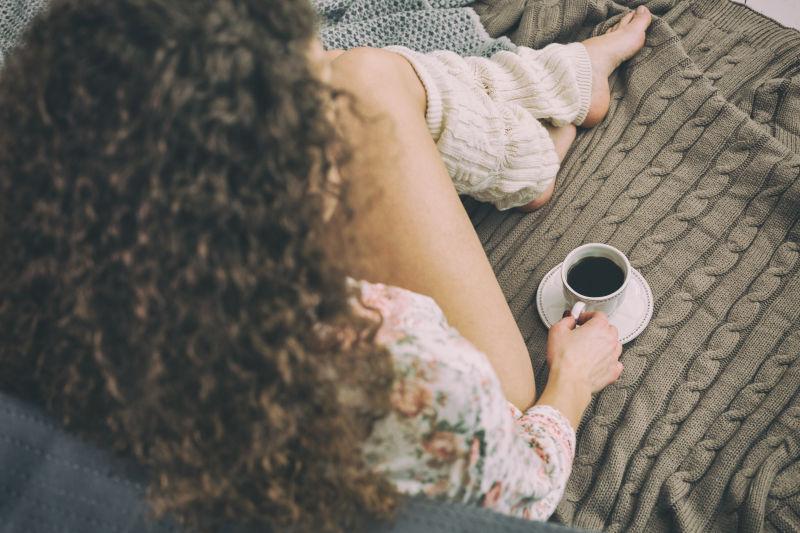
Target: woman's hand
[[582, 360], [587, 356]]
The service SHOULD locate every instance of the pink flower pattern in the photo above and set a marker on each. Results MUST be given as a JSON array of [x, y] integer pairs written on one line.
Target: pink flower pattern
[[451, 434]]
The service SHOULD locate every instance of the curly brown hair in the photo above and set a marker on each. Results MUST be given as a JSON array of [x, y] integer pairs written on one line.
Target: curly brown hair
[[165, 287]]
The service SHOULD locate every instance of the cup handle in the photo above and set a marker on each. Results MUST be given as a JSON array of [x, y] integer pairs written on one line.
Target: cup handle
[[577, 309]]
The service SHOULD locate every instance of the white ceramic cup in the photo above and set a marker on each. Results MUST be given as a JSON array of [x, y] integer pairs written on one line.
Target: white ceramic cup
[[579, 302]]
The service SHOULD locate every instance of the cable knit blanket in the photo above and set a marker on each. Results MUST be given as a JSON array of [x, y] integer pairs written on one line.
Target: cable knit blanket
[[695, 175]]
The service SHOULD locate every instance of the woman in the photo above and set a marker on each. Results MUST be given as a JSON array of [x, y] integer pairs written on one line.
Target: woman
[[189, 212]]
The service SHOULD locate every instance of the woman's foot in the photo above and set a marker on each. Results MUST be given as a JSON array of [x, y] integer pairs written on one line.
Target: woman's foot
[[562, 139], [607, 52]]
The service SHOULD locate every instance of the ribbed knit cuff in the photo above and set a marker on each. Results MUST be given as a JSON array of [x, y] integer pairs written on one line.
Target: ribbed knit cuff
[[515, 411], [583, 75], [433, 107], [559, 424]]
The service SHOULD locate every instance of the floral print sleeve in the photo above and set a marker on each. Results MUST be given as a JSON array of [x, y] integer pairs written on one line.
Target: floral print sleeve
[[451, 433]]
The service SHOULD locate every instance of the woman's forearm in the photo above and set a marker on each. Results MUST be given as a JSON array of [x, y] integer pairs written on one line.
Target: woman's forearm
[[565, 396]]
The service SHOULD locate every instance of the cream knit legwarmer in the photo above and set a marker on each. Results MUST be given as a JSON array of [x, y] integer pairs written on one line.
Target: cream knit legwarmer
[[483, 114]]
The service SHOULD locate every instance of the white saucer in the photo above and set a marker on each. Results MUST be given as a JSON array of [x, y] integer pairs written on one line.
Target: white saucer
[[630, 318]]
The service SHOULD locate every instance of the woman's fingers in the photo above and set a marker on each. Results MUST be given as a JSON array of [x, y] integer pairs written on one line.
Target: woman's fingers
[[598, 317], [612, 372], [614, 330], [595, 318], [618, 368], [567, 321], [588, 355]]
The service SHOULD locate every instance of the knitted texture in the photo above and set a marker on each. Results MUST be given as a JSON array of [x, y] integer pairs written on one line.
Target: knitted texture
[[483, 114], [14, 17], [422, 25], [694, 175]]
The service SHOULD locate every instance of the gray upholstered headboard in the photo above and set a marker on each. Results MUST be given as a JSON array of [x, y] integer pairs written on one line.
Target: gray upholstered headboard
[[54, 482]]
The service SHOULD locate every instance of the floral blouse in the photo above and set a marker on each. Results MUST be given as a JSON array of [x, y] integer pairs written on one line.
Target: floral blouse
[[451, 433]]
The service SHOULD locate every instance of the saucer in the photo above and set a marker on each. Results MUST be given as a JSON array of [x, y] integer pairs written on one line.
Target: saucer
[[630, 318]]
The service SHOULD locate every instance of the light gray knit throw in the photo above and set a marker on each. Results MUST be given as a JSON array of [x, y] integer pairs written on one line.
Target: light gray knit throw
[[421, 25], [14, 17]]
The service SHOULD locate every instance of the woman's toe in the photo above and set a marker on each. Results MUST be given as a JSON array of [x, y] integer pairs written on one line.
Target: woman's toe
[[640, 18], [626, 19]]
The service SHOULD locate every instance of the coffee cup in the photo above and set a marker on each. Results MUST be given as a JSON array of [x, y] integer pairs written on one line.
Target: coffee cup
[[594, 277]]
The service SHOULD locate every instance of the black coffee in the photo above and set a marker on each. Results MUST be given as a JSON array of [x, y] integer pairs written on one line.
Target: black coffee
[[595, 276]]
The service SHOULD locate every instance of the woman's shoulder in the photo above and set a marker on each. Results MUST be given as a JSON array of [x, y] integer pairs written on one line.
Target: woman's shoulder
[[416, 331], [402, 307]]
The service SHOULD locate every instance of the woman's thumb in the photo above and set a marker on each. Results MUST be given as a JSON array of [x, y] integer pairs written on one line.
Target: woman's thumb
[[567, 320]]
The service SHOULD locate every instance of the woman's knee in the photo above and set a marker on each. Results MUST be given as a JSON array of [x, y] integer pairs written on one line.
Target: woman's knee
[[379, 78], [363, 69]]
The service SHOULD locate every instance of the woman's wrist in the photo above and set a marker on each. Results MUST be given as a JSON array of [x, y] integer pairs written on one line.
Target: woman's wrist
[[568, 397]]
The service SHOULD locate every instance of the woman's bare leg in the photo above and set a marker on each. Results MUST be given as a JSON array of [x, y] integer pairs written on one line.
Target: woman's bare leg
[[411, 224]]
